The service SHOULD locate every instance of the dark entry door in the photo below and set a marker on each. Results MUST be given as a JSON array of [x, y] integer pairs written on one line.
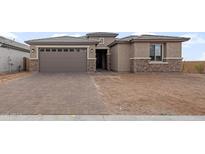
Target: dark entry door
[[101, 59], [98, 60]]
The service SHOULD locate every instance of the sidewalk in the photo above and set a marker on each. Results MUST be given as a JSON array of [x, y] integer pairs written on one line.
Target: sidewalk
[[98, 118]]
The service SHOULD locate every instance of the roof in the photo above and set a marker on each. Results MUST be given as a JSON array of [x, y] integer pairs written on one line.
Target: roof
[[8, 43], [102, 34], [149, 38], [63, 40]]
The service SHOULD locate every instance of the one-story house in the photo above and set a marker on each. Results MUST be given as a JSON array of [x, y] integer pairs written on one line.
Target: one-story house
[[12, 55], [101, 50]]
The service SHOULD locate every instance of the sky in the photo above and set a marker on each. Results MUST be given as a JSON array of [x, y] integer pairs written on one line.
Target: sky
[[194, 49]]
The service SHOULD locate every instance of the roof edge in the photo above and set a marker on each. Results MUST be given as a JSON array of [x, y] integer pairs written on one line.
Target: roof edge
[[161, 40], [62, 43], [179, 39], [102, 34]]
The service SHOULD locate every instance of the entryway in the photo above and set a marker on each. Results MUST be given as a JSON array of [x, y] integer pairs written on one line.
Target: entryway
[[101, 59]]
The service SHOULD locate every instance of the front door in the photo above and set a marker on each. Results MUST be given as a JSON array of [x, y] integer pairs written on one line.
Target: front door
[[98, 60], [101, 59]]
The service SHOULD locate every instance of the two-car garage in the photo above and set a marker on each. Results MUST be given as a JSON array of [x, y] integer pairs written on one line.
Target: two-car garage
[[62, 59], [62, 54]]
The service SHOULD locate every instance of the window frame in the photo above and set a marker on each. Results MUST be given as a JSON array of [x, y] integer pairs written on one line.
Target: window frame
[[162, 52]]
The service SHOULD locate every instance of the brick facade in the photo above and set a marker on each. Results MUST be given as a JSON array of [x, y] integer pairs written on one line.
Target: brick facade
[[144, 65]]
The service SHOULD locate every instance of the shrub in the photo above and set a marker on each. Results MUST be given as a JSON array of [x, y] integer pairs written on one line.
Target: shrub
[[199, 68]]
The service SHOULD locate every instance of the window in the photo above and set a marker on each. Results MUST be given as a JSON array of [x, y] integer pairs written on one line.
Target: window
[[53, 50], [66, 50], [47, 50], [41, 49], [77, 49], [71, 50], [59, 50], [101, 40], [156, 52]]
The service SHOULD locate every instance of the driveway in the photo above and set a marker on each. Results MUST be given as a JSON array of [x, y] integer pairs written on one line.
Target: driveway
[[49, 94]]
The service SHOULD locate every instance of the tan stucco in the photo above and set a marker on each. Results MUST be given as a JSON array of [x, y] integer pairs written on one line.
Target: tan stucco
[[140, 50], [114, 58], [173, 49], [120, 58], [107, 40], [124, 53], [124, 58]]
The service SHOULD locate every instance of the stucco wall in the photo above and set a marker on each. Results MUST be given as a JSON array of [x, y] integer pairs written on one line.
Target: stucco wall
[[107, 41], [15, 56], [124, 58], [141, 49], [174, 49], [120, 57], [114, 58], [171, 49]]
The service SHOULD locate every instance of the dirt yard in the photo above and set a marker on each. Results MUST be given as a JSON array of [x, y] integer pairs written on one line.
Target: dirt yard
[[4, 78], [152, 93]]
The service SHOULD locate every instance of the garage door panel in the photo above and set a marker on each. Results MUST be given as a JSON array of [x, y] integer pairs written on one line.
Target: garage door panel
[[63, 61]]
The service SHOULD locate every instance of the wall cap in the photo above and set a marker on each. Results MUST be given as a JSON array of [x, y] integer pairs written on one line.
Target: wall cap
[[180, 58], [157, 62], [138, 58]]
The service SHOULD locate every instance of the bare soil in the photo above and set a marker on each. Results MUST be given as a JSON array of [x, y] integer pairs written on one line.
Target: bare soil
[[152, 93], [4, 78]]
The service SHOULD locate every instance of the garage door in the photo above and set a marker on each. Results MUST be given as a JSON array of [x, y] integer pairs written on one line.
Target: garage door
[[62, 59]]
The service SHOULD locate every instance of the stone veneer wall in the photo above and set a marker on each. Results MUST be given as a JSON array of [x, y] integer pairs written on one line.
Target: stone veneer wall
[[33, 65], [91, 65], [143, 65]]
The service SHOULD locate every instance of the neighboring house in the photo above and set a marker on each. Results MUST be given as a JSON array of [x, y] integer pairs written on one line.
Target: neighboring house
[[100, 50], [12, 54]]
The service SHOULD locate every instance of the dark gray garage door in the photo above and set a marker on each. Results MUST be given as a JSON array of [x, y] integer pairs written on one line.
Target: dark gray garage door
[[62, 59]]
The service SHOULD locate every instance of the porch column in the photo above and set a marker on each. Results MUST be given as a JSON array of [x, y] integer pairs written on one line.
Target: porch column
[[108, 60]]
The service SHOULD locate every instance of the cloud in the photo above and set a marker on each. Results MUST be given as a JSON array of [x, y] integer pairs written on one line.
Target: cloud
[[8, 35], [76, 35], [58, 35], [195, 39], [143, 33], [203, 56]]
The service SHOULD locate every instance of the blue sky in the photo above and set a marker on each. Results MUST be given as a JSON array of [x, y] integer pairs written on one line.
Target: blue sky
[[192, 50]]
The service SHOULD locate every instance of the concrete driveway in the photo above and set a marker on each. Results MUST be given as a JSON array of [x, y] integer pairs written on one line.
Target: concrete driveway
[[49, 94]]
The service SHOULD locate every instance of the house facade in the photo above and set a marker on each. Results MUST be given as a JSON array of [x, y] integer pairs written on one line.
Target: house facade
[[12, 55], [103, 51]]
